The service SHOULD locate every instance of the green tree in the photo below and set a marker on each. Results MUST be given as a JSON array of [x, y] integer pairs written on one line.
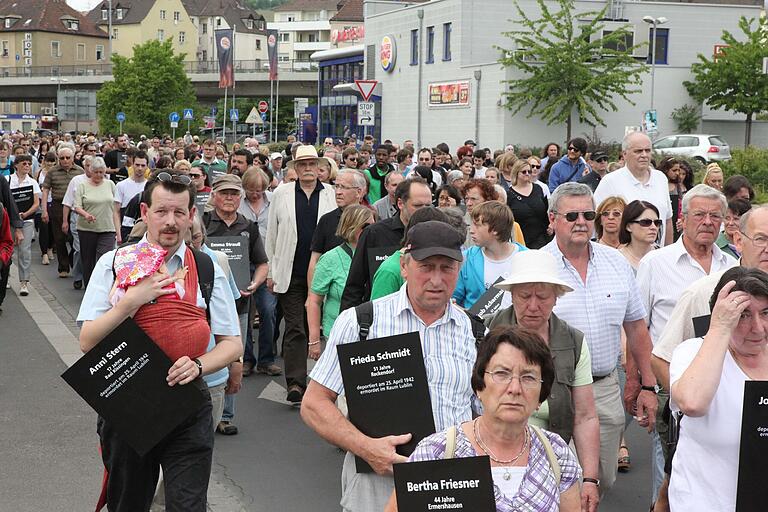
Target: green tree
[[569, 65], [147, 87], [734, 80], [686, 118]]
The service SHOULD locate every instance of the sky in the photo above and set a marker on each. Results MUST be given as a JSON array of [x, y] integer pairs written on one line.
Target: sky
[[82, 5]]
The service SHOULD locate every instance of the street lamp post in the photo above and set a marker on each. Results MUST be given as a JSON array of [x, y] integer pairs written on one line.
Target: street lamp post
[[654, 22]]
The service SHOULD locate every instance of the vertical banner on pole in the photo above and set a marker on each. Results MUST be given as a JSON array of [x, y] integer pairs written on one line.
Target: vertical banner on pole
[[225, 52], [272, 38], [234, 96]]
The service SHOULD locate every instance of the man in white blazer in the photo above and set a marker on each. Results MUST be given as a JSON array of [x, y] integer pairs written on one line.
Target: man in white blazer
[[293, 215]]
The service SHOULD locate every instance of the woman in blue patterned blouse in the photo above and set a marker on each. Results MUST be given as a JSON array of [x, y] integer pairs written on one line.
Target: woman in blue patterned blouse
[[512, 376]]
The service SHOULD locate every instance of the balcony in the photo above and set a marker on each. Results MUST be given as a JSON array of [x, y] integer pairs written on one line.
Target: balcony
[[311, 47], [299, 26]]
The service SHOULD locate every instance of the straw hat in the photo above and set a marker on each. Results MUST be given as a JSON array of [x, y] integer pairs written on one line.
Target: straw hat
[[304, 153], [533, 266]]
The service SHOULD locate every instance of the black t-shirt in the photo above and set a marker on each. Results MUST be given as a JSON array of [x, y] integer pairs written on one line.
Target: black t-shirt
[[115, 159], [306, 220], [120, 175], [325, 237], [531, 213]]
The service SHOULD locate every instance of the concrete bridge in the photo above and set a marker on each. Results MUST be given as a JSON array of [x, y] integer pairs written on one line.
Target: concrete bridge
[[41, 84]]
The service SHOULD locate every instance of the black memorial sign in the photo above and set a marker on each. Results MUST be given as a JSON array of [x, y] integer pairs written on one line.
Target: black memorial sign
[[752, 493], [201, 199], [237, 250], [489, 302], [385, 383], [445, 484], [123, 380]]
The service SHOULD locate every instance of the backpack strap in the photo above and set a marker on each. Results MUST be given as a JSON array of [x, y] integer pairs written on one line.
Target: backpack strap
[[478, 327], [450, 443], [347, 249], [551, 457], [205, 276], [364, 314]]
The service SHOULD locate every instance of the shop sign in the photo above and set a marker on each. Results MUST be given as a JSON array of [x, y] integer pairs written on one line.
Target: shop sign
[[449, 94], [387, 53]]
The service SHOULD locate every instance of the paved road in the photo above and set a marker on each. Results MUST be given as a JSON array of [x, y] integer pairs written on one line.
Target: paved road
[[274, 463]]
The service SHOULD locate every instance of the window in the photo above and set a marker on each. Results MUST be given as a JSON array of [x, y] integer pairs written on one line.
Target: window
[[430, 45], [283, 57], [6, 107], [182, 37], [204, 27], [686, 141], [204, 55], [258, 44], [160, 34], [26, 107], [662, 43], [162, 14], [218, 22], [9, 22], [4, 48], [312, 38], [447, 29], [284, 37], [114, 33], [290, 17], [119, 13], [249, 23], [621, 45], [176, 16], [99, 52], [414, 47], [104, 14], [80, 51], [55, 49]]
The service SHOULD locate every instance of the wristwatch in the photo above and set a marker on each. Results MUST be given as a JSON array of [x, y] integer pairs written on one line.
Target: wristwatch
[[587, 480], [652, 389], [199, 367]]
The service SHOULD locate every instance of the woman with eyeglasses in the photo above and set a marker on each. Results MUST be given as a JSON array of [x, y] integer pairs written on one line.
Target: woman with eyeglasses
[[331, 274], [512, 378], [736, 208], [529, 205], [608, 221]]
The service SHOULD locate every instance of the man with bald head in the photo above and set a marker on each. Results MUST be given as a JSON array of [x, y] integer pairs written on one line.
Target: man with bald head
[[637, 180], [55, 185]]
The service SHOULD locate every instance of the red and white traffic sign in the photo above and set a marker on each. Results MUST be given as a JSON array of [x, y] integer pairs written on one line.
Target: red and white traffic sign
[[263, 106], [366, 88]]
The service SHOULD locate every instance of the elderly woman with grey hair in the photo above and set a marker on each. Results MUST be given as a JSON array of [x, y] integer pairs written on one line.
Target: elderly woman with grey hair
[[98, 223], [570, 410]]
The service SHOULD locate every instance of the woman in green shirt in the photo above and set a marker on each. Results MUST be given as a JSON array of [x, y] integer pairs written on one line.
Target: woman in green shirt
[[98, 222], [331, 276]]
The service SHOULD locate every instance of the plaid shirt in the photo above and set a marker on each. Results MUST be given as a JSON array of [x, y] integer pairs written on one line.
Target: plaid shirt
[[538, 491]]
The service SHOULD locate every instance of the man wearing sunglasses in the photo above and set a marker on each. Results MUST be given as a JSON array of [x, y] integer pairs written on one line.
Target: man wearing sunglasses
[[605, 299], [599, 165], [571, 167], [637, 180]]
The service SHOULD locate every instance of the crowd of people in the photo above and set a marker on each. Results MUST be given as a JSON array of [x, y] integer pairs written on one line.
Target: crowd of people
[[603, 267]]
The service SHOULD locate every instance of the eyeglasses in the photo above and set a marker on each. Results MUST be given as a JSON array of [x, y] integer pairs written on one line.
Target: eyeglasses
[[182, 179], [700, 216], [612, 213], [339, 186], [646, 223], [758, 241], [572, 216], [576, 150], [528, 172], [535, 166], [527, 380]]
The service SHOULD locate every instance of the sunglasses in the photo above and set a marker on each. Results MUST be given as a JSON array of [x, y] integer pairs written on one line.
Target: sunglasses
[[646, 223], [535, 167], [182, 179], [571, 148], [528, 172], [572, 216]]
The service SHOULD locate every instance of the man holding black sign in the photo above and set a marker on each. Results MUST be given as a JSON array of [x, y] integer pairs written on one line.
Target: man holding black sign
[[430, 265], [185, 453]]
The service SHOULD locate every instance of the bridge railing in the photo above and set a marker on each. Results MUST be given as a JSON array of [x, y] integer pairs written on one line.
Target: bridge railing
[[190, 67]]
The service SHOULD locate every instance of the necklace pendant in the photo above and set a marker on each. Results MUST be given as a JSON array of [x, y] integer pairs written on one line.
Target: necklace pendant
[[506, 475]]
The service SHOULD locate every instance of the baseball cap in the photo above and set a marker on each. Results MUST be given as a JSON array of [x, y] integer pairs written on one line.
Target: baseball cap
[[598, 155], [469, 142], [228, 182], [275, 156], [433, 238]]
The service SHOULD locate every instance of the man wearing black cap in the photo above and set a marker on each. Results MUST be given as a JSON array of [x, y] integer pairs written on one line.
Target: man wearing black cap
[[430, 264], [598, 162]]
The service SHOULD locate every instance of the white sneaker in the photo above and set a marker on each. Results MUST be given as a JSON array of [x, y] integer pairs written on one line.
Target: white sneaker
[[46, 260], [23, 290]]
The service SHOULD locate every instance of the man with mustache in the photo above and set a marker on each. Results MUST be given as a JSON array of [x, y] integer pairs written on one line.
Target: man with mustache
[[605, 298], [637, 180], [293, 215], [664, 273]]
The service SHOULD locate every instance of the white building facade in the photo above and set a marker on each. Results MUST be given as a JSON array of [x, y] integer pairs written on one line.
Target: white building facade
[[304, 28], [440, 80]]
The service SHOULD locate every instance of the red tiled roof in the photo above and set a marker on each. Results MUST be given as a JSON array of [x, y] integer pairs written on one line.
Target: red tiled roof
[[352, 10], [46, 16]]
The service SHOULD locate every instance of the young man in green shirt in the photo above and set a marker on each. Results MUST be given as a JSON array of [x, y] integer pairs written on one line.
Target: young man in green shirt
[[377, 172]]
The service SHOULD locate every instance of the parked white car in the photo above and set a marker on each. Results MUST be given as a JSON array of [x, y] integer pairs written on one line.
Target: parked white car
[[705, 148]]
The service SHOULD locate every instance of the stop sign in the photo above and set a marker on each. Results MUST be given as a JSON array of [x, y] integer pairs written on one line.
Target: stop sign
[[263, 106]]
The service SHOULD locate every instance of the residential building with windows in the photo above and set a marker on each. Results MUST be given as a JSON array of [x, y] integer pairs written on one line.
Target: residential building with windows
[[138, 21], [347, 25], [250, 31], [441, 80], [304, 27]]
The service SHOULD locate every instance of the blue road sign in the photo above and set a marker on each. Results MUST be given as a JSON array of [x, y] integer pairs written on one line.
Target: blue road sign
[[120, 117], [263, 116], [214, 111], [234, 114], [174, 117], [188, 114]]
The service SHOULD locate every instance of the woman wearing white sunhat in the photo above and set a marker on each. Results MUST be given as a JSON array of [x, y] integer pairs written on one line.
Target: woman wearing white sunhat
[[570, 409]]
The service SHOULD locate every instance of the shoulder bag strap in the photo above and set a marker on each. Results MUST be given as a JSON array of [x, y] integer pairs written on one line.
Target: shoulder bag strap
[[450, 443], [551, 457]]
